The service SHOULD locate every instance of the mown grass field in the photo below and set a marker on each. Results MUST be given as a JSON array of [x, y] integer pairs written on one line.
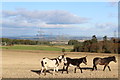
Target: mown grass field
[[38, 47]]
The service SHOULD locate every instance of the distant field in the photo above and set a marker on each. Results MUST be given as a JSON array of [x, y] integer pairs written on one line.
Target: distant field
[[38, 47]]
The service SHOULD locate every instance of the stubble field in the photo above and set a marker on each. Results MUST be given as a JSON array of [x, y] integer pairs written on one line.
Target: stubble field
[[26, 64]]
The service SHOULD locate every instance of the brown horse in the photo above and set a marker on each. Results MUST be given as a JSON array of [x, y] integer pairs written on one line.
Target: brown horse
[[103, 61]]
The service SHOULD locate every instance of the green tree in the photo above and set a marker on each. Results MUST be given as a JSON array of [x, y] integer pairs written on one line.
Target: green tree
[[86, 46], [105, 38], [72, 42], [94, 39], [94, 44], [78, 48]]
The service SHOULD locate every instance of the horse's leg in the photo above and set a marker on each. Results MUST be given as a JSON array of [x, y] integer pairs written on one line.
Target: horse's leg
[[75, 70], [104, 67], [63, 69], [42, 70], [67, 69], [95, 67], [109, 68], [45, 71], [80, 69], [54, 71], [57, 69], [95, 63]]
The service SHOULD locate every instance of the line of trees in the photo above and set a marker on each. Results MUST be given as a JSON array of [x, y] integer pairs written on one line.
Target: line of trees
[[21, 41], [93, 45]]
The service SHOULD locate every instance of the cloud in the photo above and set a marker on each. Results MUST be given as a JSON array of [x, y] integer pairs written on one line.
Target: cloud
[[107, 25], [53, 18]]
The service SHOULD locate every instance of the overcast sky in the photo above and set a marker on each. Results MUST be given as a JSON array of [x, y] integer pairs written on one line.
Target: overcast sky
[[59, 18]]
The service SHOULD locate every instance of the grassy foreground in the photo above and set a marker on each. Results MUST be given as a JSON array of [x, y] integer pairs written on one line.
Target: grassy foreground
[[38, 47]]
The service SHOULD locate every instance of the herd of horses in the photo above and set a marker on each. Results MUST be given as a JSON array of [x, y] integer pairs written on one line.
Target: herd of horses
[[67, 61]]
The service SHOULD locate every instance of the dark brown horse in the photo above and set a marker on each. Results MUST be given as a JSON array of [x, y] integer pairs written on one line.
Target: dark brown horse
[[103, 61]]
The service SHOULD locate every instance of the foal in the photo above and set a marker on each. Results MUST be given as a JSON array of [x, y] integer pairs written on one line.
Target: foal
[[103, 61], [74, 62], [52, 63]]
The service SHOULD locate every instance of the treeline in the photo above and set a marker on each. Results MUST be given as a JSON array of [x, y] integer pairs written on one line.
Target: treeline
[[6, 41], [93, 45]]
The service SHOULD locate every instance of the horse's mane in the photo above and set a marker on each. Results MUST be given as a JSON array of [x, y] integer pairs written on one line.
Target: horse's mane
[[76, 58], [109, 57], [68, 57]]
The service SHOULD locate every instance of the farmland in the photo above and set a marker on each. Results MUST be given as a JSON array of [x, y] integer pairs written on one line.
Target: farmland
[[20, 63], [38, 47]]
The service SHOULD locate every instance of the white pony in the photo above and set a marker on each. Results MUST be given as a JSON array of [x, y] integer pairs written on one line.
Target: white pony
[[52, 63]]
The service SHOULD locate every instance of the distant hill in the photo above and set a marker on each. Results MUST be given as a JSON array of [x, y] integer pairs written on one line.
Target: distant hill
[[50, 37]]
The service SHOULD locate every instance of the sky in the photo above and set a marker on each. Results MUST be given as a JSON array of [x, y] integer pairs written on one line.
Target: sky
[[59, 18]]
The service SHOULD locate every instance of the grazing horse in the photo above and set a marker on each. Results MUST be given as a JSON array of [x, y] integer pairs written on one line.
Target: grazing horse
[[75, 62], [103, 61], [52, 63]]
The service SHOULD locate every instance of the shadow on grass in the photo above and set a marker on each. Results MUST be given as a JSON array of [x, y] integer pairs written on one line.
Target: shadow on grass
[[86, 68], [48, 71]]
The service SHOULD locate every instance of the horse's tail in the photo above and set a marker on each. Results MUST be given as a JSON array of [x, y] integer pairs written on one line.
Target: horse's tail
[[42, 63], [94, 61]]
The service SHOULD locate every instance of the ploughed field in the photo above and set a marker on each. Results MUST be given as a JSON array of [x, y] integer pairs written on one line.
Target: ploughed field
[[26, 64]]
